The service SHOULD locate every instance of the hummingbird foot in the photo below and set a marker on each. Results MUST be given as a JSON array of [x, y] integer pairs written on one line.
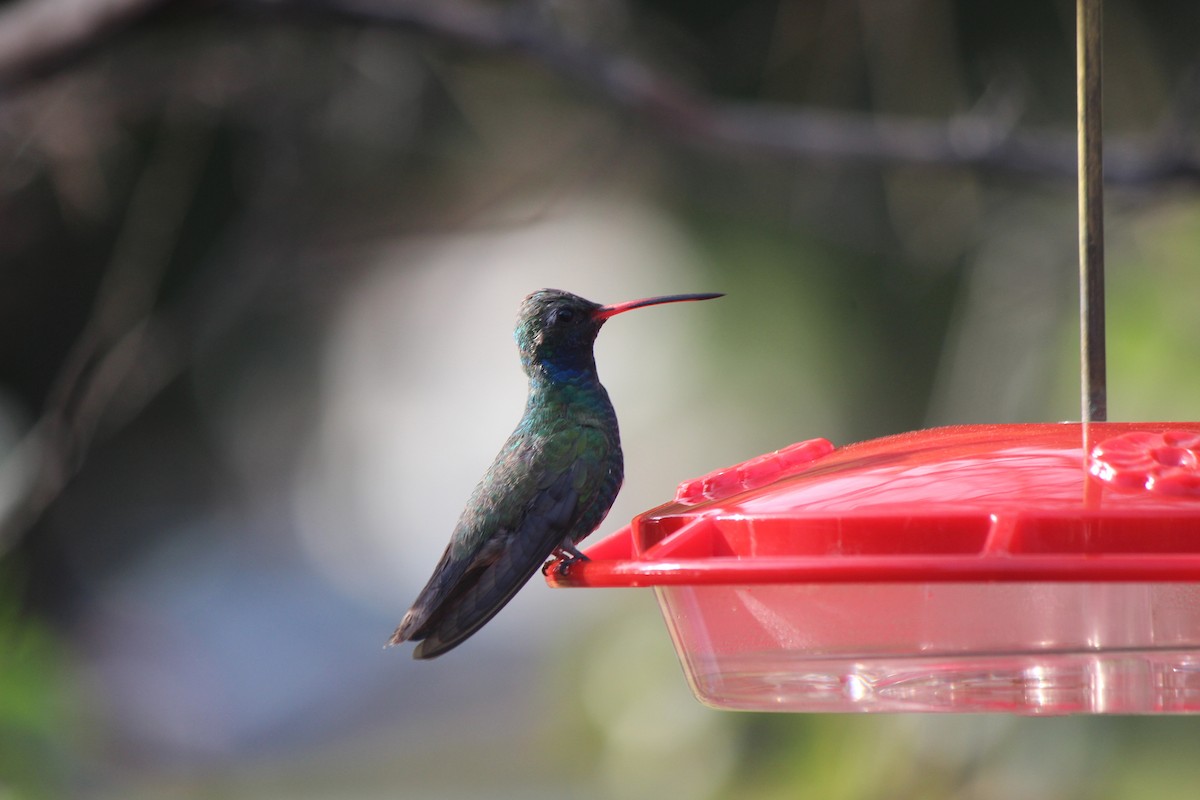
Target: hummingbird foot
[[567, 551], [564, 556]]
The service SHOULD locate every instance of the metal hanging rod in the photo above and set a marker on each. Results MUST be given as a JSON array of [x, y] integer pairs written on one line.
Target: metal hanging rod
[[1089, 76]]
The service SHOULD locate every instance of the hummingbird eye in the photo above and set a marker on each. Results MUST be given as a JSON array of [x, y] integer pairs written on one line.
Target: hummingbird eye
[[563, 315]]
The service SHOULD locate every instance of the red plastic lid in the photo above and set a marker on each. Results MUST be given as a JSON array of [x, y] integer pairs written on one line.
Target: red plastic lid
[[1031, 502]]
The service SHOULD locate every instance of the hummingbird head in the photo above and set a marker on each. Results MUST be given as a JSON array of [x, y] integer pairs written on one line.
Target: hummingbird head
[[556, 329], [555, 332]]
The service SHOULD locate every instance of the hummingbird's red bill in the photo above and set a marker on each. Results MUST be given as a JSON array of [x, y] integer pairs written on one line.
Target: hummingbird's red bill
[[604, 312]]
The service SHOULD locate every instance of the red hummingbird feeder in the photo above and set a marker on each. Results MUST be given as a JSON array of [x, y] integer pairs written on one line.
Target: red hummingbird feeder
[[1035, 569], [1023, 568]]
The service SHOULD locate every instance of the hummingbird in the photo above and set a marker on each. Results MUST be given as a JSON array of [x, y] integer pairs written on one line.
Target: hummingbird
[[551, 484]]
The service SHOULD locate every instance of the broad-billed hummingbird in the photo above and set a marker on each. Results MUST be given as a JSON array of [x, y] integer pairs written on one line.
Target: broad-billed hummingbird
[[551, 485]]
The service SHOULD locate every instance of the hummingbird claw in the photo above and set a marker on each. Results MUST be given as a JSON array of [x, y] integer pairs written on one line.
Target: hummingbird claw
[[564, 556], [568, 552]]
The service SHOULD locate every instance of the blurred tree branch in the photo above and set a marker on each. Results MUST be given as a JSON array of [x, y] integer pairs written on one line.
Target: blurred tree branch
[[40, 36], [984, 139], [126, 353]]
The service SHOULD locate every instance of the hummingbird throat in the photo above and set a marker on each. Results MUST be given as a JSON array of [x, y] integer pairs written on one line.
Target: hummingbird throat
[[564, 368]]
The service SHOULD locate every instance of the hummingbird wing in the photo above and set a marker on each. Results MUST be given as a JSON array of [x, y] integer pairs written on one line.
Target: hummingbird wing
[[551, 488]]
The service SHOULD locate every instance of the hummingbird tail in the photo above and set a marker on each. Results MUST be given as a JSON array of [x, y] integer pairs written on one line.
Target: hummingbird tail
[[492, 589], [404, 630], [479, 594]]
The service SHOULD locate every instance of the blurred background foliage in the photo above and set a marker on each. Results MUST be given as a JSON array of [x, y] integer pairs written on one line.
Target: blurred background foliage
[[259, 267]]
